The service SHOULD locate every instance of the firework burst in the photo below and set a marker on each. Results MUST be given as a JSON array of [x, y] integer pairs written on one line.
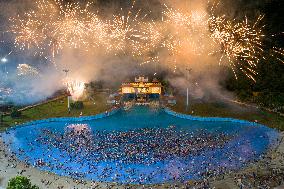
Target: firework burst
[[54, 25], [280, 54], [27, 34], [240, 42], [75, 87], [26, 70], [124, 32]]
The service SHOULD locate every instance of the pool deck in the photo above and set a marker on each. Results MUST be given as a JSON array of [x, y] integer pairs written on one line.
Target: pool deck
[[10, 167]]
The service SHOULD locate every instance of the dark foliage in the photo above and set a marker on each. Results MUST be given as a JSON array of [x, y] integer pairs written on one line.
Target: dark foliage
[[16, 113], [268, 90], [77, 105], [20, 182]]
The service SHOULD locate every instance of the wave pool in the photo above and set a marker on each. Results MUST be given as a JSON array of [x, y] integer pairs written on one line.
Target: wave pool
[[140, 146]]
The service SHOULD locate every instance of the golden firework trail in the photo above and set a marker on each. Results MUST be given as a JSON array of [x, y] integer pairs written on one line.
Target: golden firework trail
[[240, 42], [54, 25], [124, 33], [280, 53]]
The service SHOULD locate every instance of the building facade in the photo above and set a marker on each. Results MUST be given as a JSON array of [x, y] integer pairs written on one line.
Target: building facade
[[142, 90]]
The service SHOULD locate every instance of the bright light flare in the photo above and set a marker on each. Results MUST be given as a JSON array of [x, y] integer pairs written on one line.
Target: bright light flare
[[26, 70], [75, 87], [4, 60]]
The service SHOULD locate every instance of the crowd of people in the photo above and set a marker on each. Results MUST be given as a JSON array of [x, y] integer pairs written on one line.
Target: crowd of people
[[143, 155], [106, 155], [145, 145]]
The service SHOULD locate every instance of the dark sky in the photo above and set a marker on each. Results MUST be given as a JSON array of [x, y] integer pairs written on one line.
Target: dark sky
[[273, 10]]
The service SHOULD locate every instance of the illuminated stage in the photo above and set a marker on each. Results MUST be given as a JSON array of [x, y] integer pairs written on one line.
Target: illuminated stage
[[141, 90]]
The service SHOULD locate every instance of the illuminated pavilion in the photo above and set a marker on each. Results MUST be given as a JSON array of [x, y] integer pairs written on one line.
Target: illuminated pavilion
[[141, 90]]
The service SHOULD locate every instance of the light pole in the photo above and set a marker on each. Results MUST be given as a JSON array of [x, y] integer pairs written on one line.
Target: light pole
[[68, 92], [66, 72], [187, 90], [4, 60]]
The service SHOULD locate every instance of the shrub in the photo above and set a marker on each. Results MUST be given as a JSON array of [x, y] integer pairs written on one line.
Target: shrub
[[1, 117], [15, 113], [77, 105], [21, 182], [244, 95]]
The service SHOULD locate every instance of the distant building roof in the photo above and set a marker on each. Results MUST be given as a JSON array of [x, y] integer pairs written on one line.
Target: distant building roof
[[156, 85], [155, 80], [127, 84], [141, 79]]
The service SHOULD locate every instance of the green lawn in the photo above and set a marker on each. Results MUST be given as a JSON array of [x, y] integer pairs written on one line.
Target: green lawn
[[58, 108], [218, 109]]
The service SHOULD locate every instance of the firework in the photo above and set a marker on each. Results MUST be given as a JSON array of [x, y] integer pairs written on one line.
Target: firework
[[240, 43], [54, 25], [120, 31], [155, 59], [177, 18], [25, 69], [148, 41], [154, 33], [280, 53], [190, 31], [75, 87], [74, 26], [123, 32], [96, 31], [27, 34]]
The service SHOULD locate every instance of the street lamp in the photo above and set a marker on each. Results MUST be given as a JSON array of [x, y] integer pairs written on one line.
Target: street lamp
[[187, 91], [4, 60], [68, 92], [66, 71]]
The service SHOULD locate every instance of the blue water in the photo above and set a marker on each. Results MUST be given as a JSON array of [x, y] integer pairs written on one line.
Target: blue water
[[247, 143]]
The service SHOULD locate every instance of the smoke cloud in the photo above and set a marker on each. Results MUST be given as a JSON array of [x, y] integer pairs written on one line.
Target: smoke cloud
[[96, 65]]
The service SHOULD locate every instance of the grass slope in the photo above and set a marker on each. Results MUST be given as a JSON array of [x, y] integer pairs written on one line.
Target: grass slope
[[219, 109], [57, 108]]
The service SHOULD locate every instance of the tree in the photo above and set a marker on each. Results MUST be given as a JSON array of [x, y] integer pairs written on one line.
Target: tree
[[21, 182], [16, 113], [77, 105], [1, 117]]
